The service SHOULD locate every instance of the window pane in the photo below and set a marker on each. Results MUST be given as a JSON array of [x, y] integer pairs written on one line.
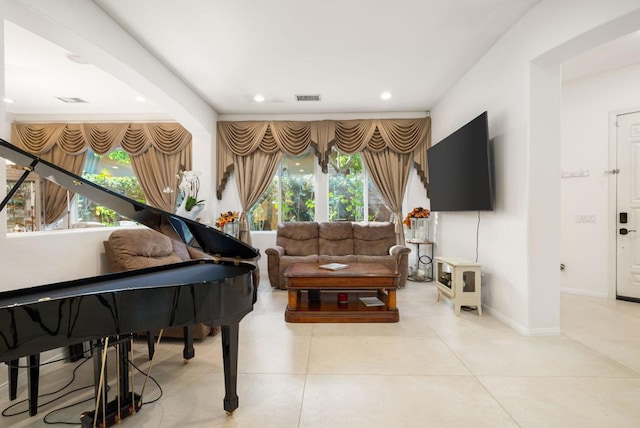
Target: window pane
[[296, 174], [114, 172], [346, 187], [298, 192]]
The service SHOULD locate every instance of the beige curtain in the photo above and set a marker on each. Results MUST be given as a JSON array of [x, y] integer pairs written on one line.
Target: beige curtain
[[157, 151], [253, 175], [388, 145], [255, 150], [390, 173]]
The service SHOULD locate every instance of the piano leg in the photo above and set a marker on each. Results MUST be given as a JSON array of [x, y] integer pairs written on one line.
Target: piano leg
[[188, 352], [230, 358], [151, 344], [33, 377], [13, 378]]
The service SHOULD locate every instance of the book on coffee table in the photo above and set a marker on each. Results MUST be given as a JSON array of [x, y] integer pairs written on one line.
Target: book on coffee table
[[334, 266], [371, 301]]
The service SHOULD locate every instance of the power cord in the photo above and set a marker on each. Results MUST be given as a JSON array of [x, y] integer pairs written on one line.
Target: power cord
[[45, 419], [6, 411], [477, 236]]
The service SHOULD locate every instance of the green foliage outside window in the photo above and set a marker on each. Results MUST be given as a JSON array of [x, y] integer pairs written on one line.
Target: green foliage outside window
[[346, 193], [298, 198], [90, 211], [346, 187], [120, 156]]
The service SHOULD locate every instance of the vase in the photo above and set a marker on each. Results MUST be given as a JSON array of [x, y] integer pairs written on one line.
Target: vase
[[193, 214], [231, 228], [420, 229]]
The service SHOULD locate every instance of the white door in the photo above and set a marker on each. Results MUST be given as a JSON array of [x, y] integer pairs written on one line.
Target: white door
[[628, 200]]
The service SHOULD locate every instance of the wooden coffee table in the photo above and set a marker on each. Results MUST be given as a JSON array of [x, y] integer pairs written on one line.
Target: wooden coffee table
[[358, 280]]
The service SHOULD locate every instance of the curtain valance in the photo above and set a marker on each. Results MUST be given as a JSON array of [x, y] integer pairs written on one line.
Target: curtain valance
[[294, 138], [157, 151], [74, 139]]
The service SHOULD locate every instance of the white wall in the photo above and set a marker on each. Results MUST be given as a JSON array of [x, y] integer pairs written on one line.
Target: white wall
[[518, 83], [586, 108]]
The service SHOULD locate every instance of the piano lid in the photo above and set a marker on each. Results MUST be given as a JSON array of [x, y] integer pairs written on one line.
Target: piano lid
[[194, 234]]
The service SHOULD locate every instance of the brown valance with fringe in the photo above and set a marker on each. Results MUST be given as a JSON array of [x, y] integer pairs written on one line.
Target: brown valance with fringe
[[157, 152], [242, 138]]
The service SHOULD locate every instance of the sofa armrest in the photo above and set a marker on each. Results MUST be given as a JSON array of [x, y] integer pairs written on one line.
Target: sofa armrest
[[399, 250], [197, 254], [273, 264], [401, 254], [276, 250]]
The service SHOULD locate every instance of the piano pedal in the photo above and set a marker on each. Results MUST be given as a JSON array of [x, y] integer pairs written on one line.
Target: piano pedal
[[126, 409]]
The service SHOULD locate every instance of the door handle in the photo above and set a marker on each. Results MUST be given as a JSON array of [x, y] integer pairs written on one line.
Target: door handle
[[624, 231]]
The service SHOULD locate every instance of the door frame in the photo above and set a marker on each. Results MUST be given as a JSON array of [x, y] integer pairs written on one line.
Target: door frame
[[612, 220]]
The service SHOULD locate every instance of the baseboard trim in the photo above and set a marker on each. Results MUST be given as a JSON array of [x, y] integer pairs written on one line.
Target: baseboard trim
[[628, 299], [525, 331], [581, 292]]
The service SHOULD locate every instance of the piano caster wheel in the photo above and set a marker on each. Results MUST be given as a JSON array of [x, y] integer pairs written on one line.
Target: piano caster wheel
[[229, 413], [185, 362]]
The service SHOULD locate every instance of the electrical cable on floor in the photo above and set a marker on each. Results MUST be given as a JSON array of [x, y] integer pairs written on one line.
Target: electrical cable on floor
[[153, 380], [6, 413], [73, 377]]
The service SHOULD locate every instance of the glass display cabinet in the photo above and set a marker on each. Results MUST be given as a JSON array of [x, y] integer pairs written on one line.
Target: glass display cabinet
[[24, 209]]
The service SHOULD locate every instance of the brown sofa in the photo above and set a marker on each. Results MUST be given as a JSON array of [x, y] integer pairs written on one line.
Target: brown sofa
[[341, 242], [129, 249]]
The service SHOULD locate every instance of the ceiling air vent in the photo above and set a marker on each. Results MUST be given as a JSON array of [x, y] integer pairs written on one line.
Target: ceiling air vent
[[71, 100], [307, 97]]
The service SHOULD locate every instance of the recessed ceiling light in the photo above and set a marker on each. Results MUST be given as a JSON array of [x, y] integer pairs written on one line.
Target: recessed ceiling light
[[297, 163], [302, 170], [140, 99], [385, 95], [258, 98], [9, 101]]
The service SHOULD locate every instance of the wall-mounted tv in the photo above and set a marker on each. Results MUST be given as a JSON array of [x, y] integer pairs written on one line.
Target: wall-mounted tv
[[460, 169]]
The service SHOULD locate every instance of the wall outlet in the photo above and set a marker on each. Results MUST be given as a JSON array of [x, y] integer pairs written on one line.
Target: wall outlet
[[585, 218]]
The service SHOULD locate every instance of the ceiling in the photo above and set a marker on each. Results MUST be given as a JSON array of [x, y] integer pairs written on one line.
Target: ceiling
[[347, 51]]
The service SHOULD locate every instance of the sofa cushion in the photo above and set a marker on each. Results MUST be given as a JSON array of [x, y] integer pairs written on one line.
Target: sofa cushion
[[335, 239], [298, 238], [373, 239], [337, 259], [140, 248], [388, 260]]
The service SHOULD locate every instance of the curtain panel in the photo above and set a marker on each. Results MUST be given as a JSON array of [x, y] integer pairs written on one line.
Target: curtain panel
[[157, 151]]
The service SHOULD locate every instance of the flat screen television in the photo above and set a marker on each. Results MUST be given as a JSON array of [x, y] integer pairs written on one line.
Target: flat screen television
[[460, 169]]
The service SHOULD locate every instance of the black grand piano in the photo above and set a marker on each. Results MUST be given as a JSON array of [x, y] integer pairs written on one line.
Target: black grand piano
[[215, 292]]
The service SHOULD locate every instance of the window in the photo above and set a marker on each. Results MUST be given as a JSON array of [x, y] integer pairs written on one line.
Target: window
[[114, 172], [349, 187], [349, 194], [290, 196]]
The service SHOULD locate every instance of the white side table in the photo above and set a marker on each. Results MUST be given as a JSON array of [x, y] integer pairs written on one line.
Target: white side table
[[460, 281]]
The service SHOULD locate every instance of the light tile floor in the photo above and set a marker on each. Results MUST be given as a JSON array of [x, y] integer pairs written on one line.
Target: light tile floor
[[432, 369]]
